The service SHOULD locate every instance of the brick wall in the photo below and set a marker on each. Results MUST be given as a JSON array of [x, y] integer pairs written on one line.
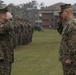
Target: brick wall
[[47, 20]]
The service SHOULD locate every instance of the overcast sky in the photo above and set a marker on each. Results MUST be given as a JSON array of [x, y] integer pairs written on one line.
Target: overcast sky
[[46, 2]]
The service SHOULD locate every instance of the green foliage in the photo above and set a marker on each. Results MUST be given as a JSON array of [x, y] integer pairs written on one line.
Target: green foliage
[[1, 2], [40, 57], [25, 11]]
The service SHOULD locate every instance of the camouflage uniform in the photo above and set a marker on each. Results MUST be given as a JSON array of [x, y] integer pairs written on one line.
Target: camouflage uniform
[[6, 46], [14, 33], [22, 35], [60, 24], [68, 47], [22, 32], [19, 34], [30, 32], [25, 33]]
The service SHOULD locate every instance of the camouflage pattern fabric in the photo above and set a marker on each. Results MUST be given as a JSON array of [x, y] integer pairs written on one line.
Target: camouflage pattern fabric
[[68, 47], [6, 48], [60, 28]]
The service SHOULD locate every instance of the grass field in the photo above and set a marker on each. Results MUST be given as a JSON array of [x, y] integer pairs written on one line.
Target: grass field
[[40, 57]]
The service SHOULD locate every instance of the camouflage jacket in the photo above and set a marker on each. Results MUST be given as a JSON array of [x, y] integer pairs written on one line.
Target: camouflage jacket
[[68, 41], [6, 50]]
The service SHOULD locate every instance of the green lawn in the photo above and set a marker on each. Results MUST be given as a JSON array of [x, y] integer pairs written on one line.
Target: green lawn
[[40, 57]]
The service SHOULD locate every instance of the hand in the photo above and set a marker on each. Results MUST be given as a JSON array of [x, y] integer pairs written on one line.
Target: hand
[[68, 61]]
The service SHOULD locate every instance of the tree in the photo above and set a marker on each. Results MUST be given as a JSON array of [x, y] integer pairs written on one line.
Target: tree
[[12, 9], [75, 4], [25, 11], [41, 5], [1, 2], [35, 4]]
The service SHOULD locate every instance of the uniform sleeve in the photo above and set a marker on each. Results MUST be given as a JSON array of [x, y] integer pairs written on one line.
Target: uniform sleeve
[[9, 26], [59, 28]]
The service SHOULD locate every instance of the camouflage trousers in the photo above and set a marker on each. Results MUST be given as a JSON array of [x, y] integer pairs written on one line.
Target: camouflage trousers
[[5, 68], [8, 68], [69, 69]]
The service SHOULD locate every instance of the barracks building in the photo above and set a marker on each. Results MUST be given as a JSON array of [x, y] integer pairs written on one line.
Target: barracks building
[[50, 15]]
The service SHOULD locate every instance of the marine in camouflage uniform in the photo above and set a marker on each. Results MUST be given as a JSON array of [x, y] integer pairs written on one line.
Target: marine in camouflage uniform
[[6, 45], [29, 32], [22, 32], [16, 32], [19, 33], [67, 51], [25, 32], [11, 20]]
